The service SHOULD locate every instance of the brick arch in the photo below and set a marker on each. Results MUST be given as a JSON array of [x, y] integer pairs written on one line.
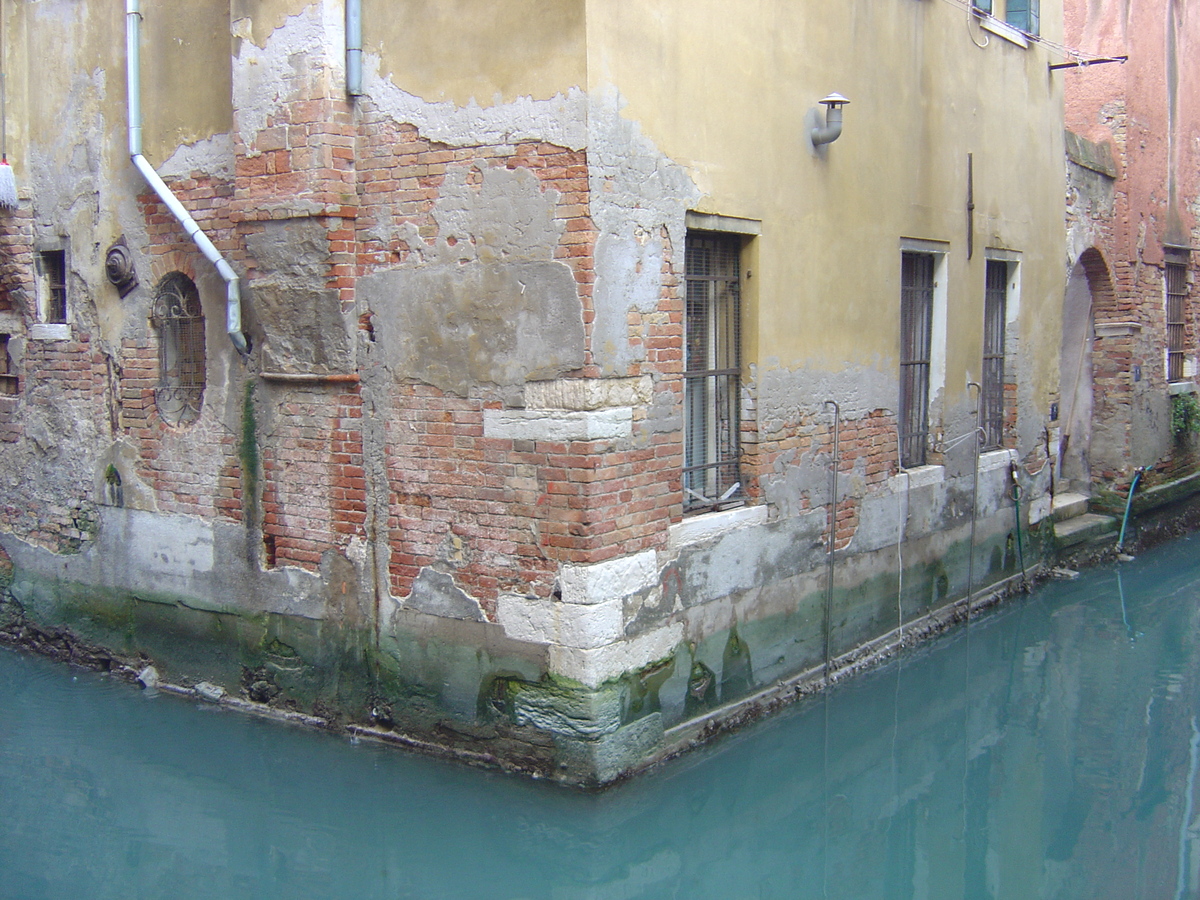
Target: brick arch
[[170, 262], [1100, 283]]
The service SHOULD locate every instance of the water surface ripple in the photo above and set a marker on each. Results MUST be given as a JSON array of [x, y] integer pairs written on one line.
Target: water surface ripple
[[1051, 750]]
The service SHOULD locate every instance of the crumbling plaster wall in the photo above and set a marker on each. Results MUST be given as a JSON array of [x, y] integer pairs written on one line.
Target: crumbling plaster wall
[[463, 456]]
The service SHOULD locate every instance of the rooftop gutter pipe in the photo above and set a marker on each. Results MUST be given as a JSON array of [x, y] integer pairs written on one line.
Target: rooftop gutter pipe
[[354, 48], [133, 69]]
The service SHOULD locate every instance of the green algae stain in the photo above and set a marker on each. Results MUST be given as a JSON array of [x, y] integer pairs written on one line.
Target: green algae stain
[[249, 457]]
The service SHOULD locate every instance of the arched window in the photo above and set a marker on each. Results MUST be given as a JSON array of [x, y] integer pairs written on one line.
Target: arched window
[[180, 322]]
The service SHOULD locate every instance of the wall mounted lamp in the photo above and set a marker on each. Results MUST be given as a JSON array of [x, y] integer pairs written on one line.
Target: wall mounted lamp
[[831, 130]]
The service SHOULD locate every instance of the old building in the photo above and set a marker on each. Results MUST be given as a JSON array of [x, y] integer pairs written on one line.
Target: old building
[[540, 380], [1130, 318]]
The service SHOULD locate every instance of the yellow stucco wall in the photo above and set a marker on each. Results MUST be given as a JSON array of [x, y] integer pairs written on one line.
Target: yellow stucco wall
[[723, 88], [463, 50], [186, 74]]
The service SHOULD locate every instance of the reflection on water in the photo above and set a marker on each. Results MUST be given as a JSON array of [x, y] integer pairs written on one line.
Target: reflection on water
[[1051, 751]]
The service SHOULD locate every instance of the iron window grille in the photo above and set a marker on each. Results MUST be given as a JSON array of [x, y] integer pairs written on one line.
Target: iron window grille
[[180, 322], [1176, 275], [916, 339], [712, 373], [991, 395], [8, 378], [53, 270]]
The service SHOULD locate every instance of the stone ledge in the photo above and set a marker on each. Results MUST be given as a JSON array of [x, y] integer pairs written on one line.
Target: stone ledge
[[612, 579], [706, 526], [558, 425], [589, 393]]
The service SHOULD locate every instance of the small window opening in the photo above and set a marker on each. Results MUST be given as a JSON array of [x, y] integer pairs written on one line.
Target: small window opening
[[916, 348], [991, 395], [712, 372], [8, 376], [180, 322], [52, 286], [1176, 275]]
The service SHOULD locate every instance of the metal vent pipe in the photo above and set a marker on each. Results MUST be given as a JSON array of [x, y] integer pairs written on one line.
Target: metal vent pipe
[[133, 70]]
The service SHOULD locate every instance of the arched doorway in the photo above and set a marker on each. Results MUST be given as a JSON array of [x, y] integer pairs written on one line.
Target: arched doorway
[[1089, 296]]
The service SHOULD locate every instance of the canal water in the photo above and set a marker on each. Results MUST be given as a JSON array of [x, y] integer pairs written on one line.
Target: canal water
[[1049, 750]]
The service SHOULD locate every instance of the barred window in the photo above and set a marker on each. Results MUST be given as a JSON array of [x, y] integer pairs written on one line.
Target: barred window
[[1176, 276], [52, 286], [712, 372], [180, 323], [916, 340], [995, 312]]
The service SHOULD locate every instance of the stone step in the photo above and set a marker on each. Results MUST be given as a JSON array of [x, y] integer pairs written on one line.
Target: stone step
[[1068, 505], [1088, 527]]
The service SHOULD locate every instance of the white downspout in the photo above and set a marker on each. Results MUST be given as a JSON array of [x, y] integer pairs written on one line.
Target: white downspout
[[354, 48], [133, 67]]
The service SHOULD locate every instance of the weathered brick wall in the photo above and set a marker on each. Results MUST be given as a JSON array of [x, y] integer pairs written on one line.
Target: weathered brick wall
[[503, 513], [52, 507], [314, 488]]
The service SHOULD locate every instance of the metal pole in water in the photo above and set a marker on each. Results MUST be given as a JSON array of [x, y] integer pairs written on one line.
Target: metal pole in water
[[974, 493], [833, 505]]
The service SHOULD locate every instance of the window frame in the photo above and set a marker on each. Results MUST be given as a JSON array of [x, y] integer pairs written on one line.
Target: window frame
[[993, 379], [712, 478], [9, 381], [52, 295], [1175, 276], [1027, 16], [916, 355], [178, 317]]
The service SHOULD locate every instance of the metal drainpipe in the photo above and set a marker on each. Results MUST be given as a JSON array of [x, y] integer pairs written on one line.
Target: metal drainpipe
[[133, 68], [354, 48]]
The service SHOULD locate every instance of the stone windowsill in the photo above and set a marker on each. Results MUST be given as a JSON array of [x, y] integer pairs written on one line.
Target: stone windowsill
[[46, 331], [705, 526], [918, 477], [1181, 387], [1002, 29]]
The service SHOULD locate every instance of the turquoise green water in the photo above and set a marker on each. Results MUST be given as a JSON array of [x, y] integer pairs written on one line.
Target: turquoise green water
[[1049, 751]]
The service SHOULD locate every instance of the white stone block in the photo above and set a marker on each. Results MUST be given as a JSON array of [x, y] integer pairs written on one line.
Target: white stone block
[[559, 624], [592, 667], [1040, 508], [707, 526], [558, 425], [612, 579]]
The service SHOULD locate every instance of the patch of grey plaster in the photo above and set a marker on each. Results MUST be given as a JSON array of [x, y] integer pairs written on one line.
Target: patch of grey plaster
[[213, 156], [636, 192], [307, 45], [739, 560], [176, 559], [487, 323], [559, 120], [789, 400], [124, 458], [485, 302], [436, 593], [293, 265], [505, 215]]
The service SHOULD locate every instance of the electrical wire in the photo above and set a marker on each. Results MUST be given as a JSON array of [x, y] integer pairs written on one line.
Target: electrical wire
[[1062, 49]]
